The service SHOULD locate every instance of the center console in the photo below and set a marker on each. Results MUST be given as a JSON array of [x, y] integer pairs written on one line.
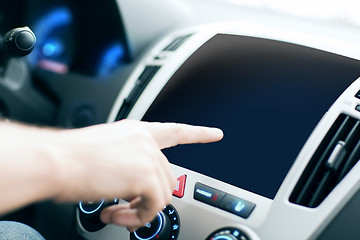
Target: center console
[[287, 164]]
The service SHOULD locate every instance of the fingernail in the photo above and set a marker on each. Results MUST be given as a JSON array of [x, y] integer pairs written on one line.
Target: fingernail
[[218, 132]]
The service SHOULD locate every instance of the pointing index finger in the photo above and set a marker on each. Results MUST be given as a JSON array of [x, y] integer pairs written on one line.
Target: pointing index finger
[[171, 134]]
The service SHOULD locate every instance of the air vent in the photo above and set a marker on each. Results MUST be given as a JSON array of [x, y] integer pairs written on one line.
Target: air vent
[[143, 80], [174, 45], [336, 155]]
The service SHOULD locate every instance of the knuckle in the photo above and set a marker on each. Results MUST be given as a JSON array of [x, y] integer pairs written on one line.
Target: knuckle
[[177, 130], [143, 137]]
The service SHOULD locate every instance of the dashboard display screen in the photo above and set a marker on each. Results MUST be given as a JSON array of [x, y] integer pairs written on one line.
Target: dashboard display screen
[[267, 96]]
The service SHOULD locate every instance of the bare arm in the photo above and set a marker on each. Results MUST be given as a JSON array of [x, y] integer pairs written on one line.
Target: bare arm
[[119, 160]]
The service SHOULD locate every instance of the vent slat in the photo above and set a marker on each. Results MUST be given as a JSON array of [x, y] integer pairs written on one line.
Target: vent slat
[[336, 155], [353, 133], [320, 190], [302, 196], [145, 77], [148, 74], [354, 155], [176, 43]]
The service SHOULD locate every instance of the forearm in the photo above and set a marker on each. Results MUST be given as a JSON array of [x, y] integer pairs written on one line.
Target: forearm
[[28, 166]]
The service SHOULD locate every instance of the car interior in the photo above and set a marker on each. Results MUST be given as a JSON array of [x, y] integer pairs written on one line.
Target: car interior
[[280, 79]]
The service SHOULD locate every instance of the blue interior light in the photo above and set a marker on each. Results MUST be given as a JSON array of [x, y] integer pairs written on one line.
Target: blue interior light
[[56, 18], [112, 57], [53, 48], [46, 30]]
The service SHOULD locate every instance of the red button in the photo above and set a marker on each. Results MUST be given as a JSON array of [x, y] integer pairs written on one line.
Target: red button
[[180, 187]]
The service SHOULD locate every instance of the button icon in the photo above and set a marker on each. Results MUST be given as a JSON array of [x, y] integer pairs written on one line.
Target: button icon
[[207, 194], [239, 206], [177, 187], [215, 197]]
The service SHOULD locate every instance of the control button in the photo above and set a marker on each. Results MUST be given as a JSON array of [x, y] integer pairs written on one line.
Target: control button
[[357, 108], [237, 206], [19, 42], [357, 95], [208, 194], [25, 40], [180, 187]]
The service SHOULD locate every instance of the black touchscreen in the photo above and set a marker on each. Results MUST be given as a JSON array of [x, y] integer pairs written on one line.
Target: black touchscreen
[[266, 95]]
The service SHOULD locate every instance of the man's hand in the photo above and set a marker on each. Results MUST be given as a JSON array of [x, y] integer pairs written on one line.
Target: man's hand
[[124, 160]]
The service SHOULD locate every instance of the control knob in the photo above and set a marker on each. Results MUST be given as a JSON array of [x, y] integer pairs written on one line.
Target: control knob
[[228, 233], [89, 214], [224, 237], [165, 226], [18, 42]]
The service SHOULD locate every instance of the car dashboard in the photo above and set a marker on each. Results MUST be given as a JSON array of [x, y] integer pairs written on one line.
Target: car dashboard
[[284, 89]]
